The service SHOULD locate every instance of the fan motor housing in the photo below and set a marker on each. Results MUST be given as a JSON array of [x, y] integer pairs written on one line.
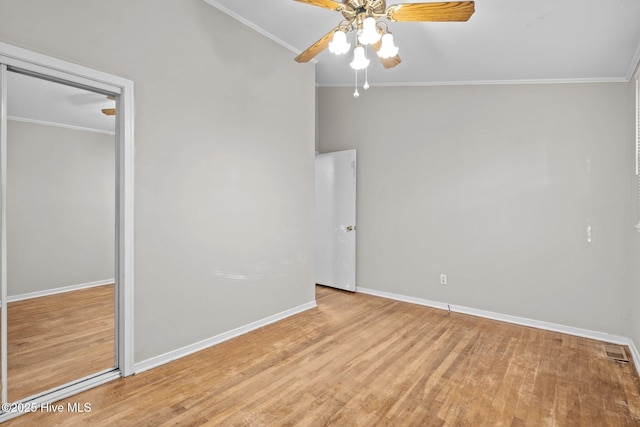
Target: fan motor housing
[[357, 7]]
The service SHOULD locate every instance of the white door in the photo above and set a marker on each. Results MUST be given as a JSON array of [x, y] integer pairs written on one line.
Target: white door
[[336, 219]]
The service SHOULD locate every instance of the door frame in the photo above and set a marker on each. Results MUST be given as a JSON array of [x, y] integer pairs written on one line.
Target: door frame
[[54, 69]]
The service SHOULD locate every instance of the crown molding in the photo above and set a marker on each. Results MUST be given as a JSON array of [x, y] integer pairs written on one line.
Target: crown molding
[[255, 27], [60, 125], [634, 66], [488, 82]]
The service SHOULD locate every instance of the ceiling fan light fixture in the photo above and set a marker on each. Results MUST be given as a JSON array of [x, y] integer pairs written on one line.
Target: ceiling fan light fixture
[[359, 60], [388, 48], [368, 19], [338, 44], [369, 34]]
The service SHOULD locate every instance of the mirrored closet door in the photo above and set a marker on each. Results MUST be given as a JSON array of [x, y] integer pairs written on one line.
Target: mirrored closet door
[[60, 233]]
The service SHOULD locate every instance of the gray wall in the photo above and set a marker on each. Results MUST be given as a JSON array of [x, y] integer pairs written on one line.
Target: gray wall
[[224, 158], [495, 186], [60, 207]]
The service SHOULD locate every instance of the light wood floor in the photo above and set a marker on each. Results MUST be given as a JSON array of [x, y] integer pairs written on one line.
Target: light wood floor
[[359, 360], [56, 339]]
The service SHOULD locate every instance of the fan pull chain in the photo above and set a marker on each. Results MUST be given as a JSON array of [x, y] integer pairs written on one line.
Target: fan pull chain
[[366, 72], [366, 79], [356, 94]]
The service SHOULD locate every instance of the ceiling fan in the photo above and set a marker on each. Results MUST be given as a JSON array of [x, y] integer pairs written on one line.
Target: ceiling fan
[[363, 17]]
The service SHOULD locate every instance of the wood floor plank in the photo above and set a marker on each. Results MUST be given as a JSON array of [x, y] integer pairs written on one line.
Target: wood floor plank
[[359, 360], [59, 338]]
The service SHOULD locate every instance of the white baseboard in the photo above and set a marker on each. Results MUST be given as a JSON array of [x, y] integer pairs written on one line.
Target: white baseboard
[[403, 298], [59, 290], [635, 355], [209, 342], [554, 327]]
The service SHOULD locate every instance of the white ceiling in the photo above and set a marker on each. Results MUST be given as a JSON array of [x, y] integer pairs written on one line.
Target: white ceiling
[[504, 41]]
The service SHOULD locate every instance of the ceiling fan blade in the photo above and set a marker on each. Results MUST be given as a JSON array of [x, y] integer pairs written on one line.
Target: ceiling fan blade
[[109, 111], [390, 62], [327, 4], [386, 62], [453, 11], [316, 48]]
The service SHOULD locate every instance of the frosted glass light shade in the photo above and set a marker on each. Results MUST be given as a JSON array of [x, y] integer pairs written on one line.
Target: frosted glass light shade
[[369, 34], [359, 60], [388, 49], [338, 44]]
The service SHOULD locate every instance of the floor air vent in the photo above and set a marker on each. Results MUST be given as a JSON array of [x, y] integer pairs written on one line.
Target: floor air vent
[[616, 352]]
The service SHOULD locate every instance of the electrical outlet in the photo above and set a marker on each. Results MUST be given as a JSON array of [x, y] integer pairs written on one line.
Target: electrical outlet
[[443, 279]]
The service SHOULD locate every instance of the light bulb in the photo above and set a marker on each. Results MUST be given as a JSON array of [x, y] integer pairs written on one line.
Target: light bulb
[[356, 94], [366, 85], [369, 34], [359, 61], [388, 49], [338, 44]]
